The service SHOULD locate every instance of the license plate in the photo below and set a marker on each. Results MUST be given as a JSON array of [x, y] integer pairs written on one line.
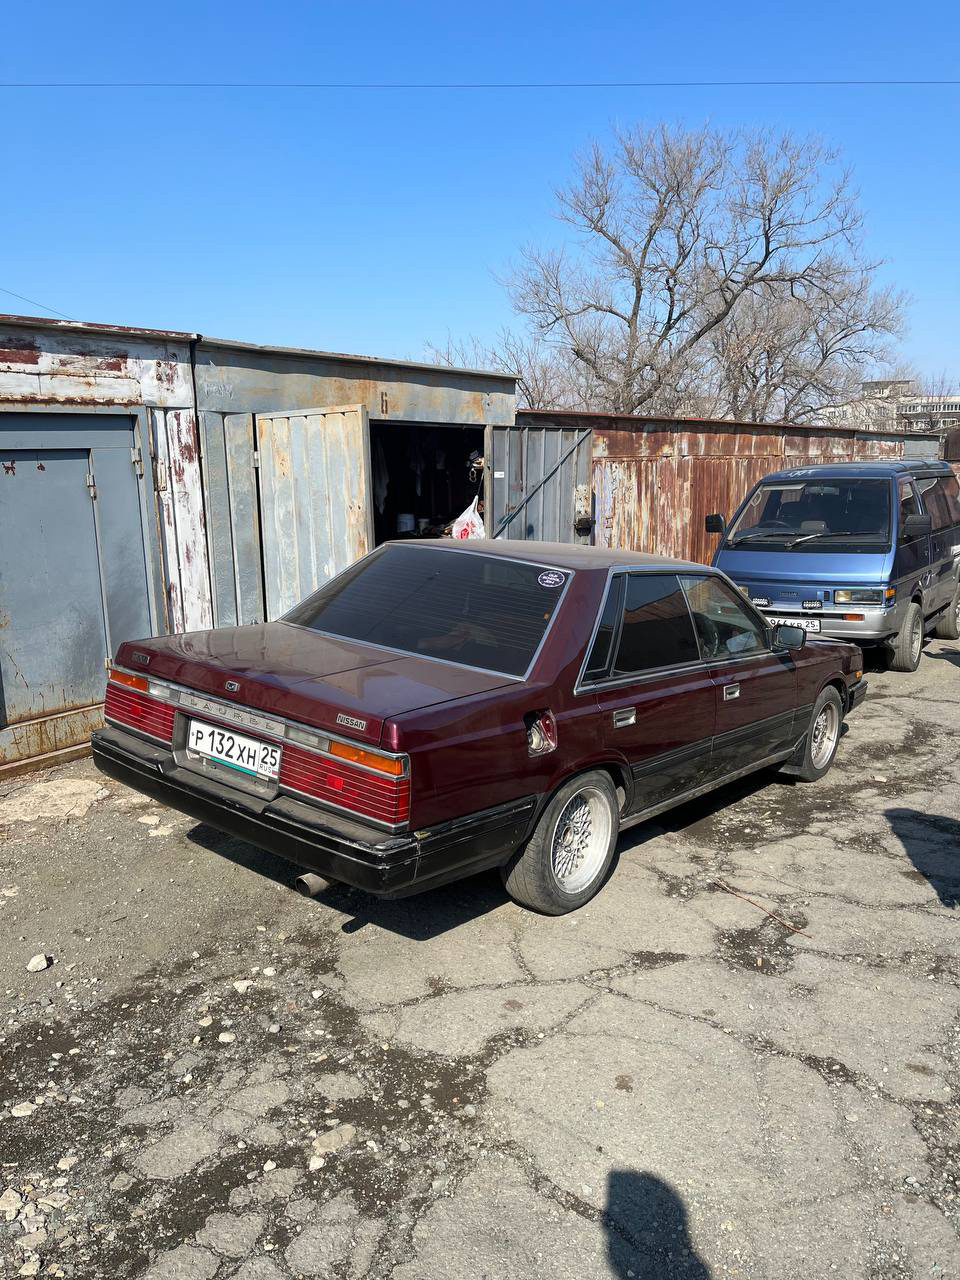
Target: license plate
[[235, 750], [808, 624]]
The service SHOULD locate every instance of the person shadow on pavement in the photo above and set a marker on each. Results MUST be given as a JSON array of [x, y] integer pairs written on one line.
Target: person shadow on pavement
[[932, 843], [647, 1233]]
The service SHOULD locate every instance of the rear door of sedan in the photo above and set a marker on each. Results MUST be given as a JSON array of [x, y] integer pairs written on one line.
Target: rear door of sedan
[[755, 685], [656, 699]]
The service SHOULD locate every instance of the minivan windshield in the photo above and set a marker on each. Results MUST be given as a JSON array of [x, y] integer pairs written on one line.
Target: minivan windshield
[[817, 514], [465, 607]]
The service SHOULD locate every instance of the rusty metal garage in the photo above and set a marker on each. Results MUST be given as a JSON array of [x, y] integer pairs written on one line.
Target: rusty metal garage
[[162, 481]]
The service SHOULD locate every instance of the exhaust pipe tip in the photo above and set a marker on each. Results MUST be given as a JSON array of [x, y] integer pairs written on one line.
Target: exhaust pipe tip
[[311, 885]]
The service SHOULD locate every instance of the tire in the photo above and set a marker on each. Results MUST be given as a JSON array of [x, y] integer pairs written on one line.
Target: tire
[[536, 877], [818, 754], [948, 625], [909, 642]]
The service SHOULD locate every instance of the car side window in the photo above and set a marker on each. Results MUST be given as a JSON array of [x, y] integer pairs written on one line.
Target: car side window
[[599, 658], [908, 503], [656, 630], [725, 626]]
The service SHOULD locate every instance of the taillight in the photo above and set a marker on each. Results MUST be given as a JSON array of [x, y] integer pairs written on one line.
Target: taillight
[[128, 707], [362, 787]]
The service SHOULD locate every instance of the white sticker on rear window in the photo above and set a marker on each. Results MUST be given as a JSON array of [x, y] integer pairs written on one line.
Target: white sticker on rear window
[[551, 578]]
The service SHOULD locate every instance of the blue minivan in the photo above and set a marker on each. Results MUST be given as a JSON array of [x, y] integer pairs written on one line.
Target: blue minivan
[[862, 551]]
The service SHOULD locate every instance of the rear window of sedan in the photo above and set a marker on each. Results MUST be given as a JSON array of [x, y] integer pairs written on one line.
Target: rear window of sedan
[[459, 606]]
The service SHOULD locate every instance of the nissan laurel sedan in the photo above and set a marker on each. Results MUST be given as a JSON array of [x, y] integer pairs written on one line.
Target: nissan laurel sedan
[[441, 708]]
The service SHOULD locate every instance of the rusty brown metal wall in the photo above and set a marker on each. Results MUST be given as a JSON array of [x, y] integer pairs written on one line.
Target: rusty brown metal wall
[[654, 481]]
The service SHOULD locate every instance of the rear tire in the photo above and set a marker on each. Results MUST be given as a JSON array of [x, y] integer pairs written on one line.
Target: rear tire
[[948, 625], [566, 860], [823, 736], [909, 642]]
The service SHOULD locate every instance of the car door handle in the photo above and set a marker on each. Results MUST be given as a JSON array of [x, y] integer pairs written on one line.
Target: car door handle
[[624, 717], [731, 691]]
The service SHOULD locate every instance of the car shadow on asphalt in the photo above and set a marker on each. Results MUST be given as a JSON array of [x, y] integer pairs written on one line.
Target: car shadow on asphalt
[[420, 917], [950, 656], [932, 843], [647, 1232]]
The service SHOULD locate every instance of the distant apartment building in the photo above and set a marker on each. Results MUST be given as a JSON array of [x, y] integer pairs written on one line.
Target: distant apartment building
[[887, 404]]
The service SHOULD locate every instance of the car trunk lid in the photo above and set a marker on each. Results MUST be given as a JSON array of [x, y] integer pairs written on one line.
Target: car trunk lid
[[343, 686]]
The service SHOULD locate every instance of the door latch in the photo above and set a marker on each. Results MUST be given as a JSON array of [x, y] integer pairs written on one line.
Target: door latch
[[731, 691], [624, 717]]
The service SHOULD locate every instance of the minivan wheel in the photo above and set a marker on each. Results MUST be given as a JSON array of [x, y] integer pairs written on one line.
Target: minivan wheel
[[948, 626], [909, 641], [823, 736], [566, 860]]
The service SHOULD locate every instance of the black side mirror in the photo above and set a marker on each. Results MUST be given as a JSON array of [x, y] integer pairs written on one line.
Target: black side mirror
[[789, 637], [916, 525], [715, 523]]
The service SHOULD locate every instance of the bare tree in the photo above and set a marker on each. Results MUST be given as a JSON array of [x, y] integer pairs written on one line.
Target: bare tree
[[706, 269]]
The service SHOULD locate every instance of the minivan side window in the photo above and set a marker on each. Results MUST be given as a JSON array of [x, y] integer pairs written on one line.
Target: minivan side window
[[727, 629], [908, 503], [656, 629], [941, 497]]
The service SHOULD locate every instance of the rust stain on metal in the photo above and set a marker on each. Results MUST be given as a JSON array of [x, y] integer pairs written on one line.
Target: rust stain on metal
[[48, 735], [10, 468], [655, 480]]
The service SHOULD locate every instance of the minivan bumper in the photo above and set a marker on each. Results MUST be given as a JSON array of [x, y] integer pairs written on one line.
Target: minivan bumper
[[876, 625], [353, 852]]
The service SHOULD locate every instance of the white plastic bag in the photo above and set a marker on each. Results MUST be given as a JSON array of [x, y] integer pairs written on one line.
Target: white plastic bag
[[469, 524]]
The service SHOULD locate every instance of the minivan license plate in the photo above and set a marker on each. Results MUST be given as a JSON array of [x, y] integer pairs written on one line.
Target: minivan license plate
[[236, 750], [808, 624]]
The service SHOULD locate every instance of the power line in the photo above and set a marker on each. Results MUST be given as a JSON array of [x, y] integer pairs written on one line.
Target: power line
[[473, 85], [34, 303]]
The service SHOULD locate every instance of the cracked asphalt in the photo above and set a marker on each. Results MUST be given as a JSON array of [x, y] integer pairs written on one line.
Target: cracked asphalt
[[214, 1077]]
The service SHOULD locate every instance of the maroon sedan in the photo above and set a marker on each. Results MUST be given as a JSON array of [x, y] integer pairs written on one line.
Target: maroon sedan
[[441, 708]]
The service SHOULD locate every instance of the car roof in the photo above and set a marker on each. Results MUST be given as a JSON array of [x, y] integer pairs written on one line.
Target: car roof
[[562, 555], [864, 470]]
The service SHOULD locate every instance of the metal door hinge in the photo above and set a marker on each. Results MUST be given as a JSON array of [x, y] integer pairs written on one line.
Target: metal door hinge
[[137, 459], [91, 485], [159, 475], [256, 458]]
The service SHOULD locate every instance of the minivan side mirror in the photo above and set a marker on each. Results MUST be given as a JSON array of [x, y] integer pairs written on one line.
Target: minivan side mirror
[[786, 636], [916, 525], [715, 523]]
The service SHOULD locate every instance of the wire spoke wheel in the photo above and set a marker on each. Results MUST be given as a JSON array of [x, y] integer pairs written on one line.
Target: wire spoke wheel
[[823, 738], [581, 836]]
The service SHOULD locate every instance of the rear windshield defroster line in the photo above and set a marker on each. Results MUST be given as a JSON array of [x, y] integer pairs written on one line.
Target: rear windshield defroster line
[[475, 610]]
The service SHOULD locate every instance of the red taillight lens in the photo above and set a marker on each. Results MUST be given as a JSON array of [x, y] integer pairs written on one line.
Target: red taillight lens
[[384, 797], [126, 707]]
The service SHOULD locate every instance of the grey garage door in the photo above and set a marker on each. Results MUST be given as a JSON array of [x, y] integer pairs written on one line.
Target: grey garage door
[[73, 573]]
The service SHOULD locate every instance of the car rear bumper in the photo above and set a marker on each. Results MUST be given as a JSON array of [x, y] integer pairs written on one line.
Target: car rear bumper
[[389, 866]]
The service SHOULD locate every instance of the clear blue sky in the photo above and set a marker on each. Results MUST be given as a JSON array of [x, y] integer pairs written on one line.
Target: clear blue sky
[[375, 221]]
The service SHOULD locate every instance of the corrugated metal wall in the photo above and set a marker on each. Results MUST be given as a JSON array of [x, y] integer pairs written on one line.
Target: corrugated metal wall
[[655, 480], [540, 479]]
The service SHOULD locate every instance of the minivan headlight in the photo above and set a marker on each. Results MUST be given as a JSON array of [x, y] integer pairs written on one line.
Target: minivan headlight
[[872, 596]]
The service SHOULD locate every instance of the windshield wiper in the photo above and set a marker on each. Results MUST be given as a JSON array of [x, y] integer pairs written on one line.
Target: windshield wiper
[[842, 533], [753, 537]]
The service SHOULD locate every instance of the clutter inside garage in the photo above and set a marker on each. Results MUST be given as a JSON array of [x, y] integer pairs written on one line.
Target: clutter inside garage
[[423, 477]]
